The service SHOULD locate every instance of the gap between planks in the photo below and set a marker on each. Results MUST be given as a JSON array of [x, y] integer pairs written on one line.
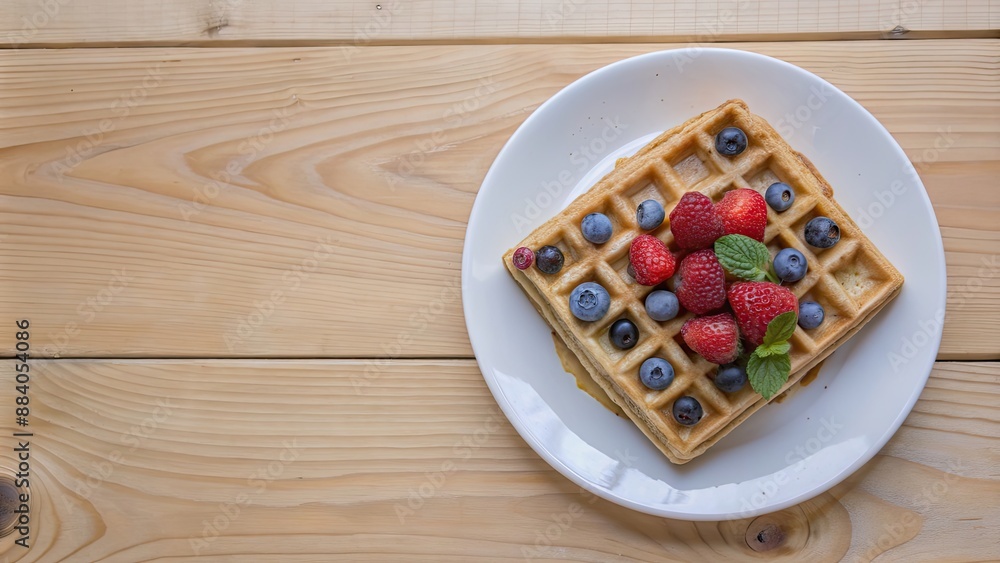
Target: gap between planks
[[694, 40], [333, 360], [305, 359]]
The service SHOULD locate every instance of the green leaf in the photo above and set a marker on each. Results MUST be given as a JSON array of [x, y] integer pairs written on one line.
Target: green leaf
[[773, 349], [780, 328], [768, 373], [743, 257], [771, 276]]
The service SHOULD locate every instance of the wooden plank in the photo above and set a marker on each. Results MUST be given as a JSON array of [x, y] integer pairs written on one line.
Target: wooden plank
[[132, 460], [224, 176], [33, 23]]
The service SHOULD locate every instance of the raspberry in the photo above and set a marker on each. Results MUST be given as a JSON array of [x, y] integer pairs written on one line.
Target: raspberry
[[757, 303], [702, 285], [743, 212], [523, 258], [651, 260], [694, 223], [716, 337]]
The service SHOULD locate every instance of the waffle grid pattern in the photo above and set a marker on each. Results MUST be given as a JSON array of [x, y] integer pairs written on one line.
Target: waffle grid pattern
[[850, 279]]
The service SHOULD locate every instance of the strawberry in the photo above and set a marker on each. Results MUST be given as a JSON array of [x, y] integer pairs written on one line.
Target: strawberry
[[694, 222], [716, 337], [651, 260], [743, 212], [757, 303], [702, 284]]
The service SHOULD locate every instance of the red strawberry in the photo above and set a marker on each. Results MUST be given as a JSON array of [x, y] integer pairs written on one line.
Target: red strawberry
[[694, 222], [651, 260], [702, 285], [743, 212], [757, 303], [715, 338]]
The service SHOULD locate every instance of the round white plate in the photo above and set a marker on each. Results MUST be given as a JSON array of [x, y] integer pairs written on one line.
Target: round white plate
[[785, 453]]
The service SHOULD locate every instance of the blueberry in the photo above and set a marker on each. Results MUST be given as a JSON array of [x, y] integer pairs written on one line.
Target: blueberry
[[649, 214], [589, 301], [730, 378], [790, 265], [687, 411], [779, 196], [822, 232], [596, 228], [623, 334], [656, 373], [811, 314], [549, 259], [661, 305], [731, 141]]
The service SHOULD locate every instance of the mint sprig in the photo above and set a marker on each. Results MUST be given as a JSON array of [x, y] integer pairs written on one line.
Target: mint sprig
[[768, 373], [773, 350], [770, 365], [780, 329], [745, 258]]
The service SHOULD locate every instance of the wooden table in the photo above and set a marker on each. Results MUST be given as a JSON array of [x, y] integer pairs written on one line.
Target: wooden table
[[236, 228]]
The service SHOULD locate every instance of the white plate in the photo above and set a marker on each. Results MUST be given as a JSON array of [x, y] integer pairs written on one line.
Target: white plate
[[785, 453]]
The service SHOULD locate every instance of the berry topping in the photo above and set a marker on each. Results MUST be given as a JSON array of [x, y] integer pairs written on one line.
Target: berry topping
[[661, 305], [656, 373], [790, 265], [780, 196], [743, 212], [649, 214], [730, 378], [651, 260], [589, 301], [596, 228], [623, 334], [731, 141], [811, 314], [523, 258], [702, 284], [716, 337], [756, 304], [549, 259], [822, 232], [694, 223], [687, 411]]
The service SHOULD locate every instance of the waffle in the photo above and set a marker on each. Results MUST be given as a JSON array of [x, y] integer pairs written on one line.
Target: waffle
[[851, 280]]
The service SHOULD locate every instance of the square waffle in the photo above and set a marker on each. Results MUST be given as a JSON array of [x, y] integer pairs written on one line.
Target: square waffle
[[851, 280]]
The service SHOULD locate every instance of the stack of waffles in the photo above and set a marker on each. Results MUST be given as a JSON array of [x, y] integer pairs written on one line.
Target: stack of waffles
[[851, 280]]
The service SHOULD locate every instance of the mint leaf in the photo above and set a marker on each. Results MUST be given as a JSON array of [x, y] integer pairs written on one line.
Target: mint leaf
[[768, 373], [770, 360], [743, 257], [780, 328], [773, 349]]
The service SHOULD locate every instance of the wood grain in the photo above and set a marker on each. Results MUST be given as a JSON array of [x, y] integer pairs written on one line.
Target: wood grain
[[33, 23], [285, 461], [312, 202]]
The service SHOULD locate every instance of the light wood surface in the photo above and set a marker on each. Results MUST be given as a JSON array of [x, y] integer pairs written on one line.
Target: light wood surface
[[32, 23], [356, 135], [132, 459], [352, 179]]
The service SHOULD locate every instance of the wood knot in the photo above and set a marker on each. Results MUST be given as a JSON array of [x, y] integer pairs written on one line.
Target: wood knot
[[216, 26], [765, 534], [898, 31], [816, 530], [9, 502]]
